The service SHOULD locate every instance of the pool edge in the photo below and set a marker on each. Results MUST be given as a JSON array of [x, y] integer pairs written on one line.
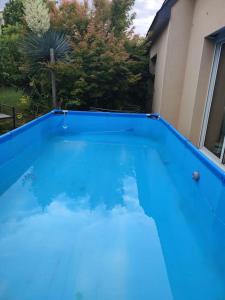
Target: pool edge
[[157, 118]]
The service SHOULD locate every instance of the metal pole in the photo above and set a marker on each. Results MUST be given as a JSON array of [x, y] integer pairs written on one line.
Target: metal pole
[[52, 60]]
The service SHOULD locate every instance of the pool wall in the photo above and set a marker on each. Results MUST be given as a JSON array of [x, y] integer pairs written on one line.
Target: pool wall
[[188, 158], [173, 147], [12, 142]]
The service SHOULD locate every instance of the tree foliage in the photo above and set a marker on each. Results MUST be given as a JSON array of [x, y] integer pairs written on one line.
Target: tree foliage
[[37, 17], [13, 12], [37, 48], [10, 57], [106, 65], [121, 18], [100, 72]]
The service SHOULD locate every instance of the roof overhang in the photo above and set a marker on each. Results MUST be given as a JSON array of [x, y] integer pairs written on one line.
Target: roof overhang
[[160, 21]]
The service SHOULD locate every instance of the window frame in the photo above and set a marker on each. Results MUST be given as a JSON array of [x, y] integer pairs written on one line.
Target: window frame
[[212, 82]]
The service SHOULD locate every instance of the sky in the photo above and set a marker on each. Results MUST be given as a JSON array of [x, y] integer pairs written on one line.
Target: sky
[[145, 12], [2, 2]]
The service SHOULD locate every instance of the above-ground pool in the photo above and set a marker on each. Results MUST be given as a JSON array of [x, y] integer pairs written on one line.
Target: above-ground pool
[[102, 206]]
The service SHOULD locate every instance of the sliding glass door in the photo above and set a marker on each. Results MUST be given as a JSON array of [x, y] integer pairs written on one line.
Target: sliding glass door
[[214, 127]]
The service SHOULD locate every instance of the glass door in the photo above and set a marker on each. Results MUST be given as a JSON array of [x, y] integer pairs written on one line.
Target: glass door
[[214, 127]]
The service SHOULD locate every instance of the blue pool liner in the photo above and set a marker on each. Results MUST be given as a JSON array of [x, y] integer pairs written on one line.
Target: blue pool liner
[[152, 119], [155, 118]]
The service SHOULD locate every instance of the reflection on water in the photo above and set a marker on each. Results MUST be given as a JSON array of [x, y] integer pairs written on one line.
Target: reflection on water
[[89, 219]]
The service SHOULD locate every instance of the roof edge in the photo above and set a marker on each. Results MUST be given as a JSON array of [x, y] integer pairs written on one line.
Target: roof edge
[[160, 21]]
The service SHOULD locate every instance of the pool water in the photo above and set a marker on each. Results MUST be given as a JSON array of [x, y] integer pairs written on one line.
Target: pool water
[[105, 216]]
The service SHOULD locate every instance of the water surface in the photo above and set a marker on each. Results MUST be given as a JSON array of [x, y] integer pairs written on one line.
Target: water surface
[[102, 217]]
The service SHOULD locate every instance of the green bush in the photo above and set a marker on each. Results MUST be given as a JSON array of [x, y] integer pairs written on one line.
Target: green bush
[[106, 65], [13, 12], [10, 56], [11, 96]]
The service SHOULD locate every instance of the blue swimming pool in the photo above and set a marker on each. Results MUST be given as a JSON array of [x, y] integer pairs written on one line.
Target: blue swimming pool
[[102, 206]]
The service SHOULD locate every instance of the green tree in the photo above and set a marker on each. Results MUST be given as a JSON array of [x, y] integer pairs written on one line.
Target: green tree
[[108, 66], [121, 16], [13, 12], [10, 57], [38, 50], [70, 17], [138, 63], [101, 71], [99, 62], [42, 47]]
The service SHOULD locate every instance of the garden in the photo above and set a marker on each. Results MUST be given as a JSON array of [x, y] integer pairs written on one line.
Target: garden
[[73, 55]]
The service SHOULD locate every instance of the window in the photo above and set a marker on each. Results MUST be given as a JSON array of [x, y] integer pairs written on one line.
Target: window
[[214, 126]]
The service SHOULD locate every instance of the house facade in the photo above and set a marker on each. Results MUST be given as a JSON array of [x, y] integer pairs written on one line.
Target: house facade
[[187, 58]]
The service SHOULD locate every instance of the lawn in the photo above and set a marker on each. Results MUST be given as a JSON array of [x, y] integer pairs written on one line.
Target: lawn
[[10, 96], [17, 99]]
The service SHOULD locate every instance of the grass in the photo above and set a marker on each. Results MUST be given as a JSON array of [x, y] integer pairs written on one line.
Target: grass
[[13, 97], [10, 96]]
